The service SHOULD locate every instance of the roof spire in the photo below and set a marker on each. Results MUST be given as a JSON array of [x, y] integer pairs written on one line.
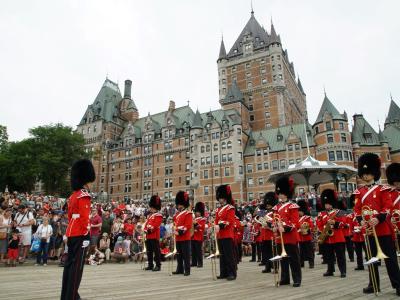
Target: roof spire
[[391, 97], [252, 11], [222, 51], [274, 38], [324, 91]]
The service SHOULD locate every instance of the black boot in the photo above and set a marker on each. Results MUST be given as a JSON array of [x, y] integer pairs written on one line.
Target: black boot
[[369, 290], [149, 268], [157, 268]]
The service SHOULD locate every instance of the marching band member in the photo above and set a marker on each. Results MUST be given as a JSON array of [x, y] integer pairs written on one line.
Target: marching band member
[[183, 222], [152, 230], [358, 233], [334, 238], [305, 229], [224, 224], [374, 196], [198, 235], [266, 231], [320, 228], [238, 236], [393, 178], [288, 213], [82, 175]]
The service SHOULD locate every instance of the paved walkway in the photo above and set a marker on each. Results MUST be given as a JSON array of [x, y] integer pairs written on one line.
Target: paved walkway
[[127, 281]]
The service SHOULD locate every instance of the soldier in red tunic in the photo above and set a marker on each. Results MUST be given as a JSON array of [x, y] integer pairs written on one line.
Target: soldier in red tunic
[[152, 230], [198, 235], [375, 197], [224, 227], [238, 236], [82, 174], [270, 201], [358, 233], [183, 222], [288, 213], [393, 178], [335, 243], [305, 229]]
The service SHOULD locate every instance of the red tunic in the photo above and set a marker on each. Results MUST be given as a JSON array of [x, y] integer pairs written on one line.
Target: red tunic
[[309, 236], [152, 226], [198, 234], [78, 213], [338, 235], [183, 221], [289, 214], [238, 231], [394, 196], [375, 197], [348, 219], [357, 230], [257, 232], [225, 215]]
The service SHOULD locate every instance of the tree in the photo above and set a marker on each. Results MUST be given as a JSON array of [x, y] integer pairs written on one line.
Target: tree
[[3, 137]]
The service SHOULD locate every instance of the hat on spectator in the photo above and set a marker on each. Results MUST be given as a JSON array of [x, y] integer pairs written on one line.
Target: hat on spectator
[[105, 234], [82, 172], [155, 202], [182, 198], [120, 239], [22, 206]]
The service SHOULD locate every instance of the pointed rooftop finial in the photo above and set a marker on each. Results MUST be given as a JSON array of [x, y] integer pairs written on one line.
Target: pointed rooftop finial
[[222, 51], [324, 91], [252, 11], [188, 102], [391, 97]]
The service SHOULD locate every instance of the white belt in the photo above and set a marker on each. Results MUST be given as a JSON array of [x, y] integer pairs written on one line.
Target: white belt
[[75, 216]]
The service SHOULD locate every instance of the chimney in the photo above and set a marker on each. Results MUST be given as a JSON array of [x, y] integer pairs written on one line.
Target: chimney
[[171, 105], [127, 91]]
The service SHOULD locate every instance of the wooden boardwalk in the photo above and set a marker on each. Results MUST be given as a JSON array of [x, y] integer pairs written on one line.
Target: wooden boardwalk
[[127, 281]]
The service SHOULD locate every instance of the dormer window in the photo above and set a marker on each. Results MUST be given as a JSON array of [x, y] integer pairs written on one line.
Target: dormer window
[[279, 137], [368, 137], [169, 122], [235, 51]]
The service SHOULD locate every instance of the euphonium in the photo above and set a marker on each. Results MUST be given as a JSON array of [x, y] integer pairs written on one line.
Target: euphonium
[[367, 213], [304, 228], [263, 221]]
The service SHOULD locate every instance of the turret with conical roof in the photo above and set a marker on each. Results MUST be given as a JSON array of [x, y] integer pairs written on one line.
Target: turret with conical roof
[[274, 38], [234, 94], [222, 51], [393, 116], [197, 121], [329, 108]]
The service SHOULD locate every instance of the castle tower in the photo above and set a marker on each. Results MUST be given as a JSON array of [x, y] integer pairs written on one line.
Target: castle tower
[[265, 76]]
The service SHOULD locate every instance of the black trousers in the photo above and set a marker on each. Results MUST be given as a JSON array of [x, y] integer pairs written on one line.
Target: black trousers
[[306, 252], [350, 247], [322, 251], [292, 260], [239, 251], [197, 253], [227, 264], [358, 247], [338, 250], [183, 256], [266, 254], [73, 268], [256, 251], [153, 251], [392, 266]]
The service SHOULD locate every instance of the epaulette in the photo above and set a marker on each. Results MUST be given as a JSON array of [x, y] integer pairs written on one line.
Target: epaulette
[[83, 193], [356, 192], [385, 187], [275, 207], [231, 206], [293, 206]]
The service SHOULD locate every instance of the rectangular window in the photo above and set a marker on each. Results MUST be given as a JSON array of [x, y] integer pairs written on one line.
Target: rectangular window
[[266, 166], [223, 157], [258, 152], [329, 138], [331, 155], [250, 182], [216, 172], [259, 167], [230, 157], [328, 126], [260, 181], [290, 147], [205, 174], [275, 165], [249, 168], [339, 155], [202, 161], [227, 171], [341, 126], [297, 147], [240, 170], [346, 155], [283, 163], [251, 117], [251, 196], [343, 137], [206, 190]]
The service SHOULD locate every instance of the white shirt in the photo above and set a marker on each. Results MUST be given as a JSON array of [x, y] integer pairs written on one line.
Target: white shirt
[[44, 232], [23, 218]]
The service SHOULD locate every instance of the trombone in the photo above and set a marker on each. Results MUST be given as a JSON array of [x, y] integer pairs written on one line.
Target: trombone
[[172, 254], [366, 214], [214, 256], [144, 250], [395, 219], [275, 260]]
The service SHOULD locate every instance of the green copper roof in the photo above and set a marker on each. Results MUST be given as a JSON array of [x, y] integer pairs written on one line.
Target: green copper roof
[[363, 133], [392, 134], [234, 94], [394, 114], [197, 121], [105, 106], [275, 143], [328, 107]]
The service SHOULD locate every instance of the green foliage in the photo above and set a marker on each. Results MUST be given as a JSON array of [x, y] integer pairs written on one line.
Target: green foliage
[[47, 156], [3, 137]]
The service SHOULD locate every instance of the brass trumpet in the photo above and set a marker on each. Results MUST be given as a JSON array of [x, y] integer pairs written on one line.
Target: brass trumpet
[[263, 221]]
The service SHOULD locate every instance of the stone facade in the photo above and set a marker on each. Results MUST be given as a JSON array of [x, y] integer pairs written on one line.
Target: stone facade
[[260, 128]]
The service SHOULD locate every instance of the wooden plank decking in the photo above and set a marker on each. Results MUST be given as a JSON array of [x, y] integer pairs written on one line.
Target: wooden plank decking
[[127, 281]]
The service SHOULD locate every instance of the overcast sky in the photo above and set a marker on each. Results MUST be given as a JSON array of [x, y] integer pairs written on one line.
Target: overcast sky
[[55, 55]]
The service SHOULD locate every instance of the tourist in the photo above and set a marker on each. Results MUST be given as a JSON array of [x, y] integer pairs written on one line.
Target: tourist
[[24, 221], [12, 252], [120, 253], [105, 246], [44, 232], [95, 226], [5, 228]]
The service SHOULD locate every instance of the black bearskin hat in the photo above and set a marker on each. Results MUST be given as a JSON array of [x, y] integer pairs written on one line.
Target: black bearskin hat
[[199, 207], [82, 172], [303, 206], [285, 186], [369, 163], [328, 196], [182, 198], [352, 200], [224, 192], [155, 202], [270, 199], [393, 173]]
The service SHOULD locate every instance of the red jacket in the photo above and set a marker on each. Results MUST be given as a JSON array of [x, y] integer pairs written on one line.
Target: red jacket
[[152, 226], [266, 232], [226, 216], [394, 196], [78, 213], [377, 198], [309, 236], [199, 228], [238, 231], [338, 235], [348, 219], [183, 221], [357, 230], [256, 231], [289, 215]]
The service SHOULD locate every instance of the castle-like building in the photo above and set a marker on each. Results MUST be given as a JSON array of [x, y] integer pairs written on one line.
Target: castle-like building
[[261, 127]]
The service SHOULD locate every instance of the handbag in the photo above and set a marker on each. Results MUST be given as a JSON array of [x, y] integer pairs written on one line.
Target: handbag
[[35, 245]]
